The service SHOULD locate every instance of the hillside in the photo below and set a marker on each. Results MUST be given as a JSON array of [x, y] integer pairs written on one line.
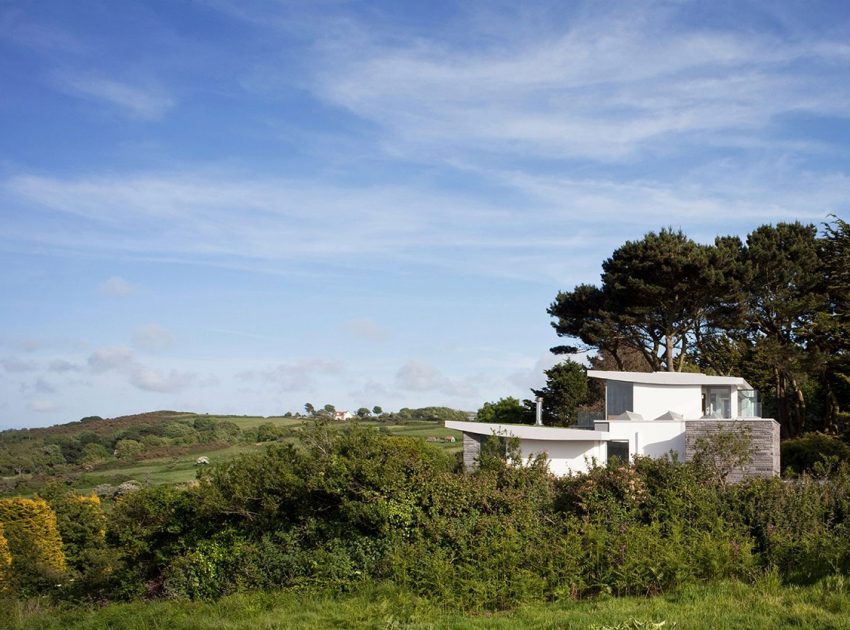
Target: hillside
[[97, 454]]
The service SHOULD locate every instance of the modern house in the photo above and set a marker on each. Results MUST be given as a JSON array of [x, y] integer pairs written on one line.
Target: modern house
[[655, 414]]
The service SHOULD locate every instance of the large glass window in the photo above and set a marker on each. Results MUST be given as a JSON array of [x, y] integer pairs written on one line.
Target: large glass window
[[719, 402], [748, 404], [619, 398]]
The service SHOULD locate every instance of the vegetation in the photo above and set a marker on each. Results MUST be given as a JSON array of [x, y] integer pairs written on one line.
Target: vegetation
[[92, 455], [763, 605], [774, 308], [352, 508]]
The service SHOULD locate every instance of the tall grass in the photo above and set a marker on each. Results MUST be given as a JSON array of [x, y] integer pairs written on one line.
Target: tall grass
[[727, 604]]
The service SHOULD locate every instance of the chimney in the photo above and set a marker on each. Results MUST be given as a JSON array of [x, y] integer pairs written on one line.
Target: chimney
[[538, 420]]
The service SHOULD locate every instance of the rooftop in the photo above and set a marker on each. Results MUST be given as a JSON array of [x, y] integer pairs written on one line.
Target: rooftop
[[669, 378]]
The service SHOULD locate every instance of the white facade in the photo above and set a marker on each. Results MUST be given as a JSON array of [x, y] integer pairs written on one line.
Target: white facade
[[652, 401], [645, 414]]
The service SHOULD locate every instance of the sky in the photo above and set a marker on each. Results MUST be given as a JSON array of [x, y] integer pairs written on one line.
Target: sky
[[237, 206]]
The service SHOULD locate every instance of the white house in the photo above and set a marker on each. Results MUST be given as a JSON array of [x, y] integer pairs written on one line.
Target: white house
[[343, 415], [646, 413]]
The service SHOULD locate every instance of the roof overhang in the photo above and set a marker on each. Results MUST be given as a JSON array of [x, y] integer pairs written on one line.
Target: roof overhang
[[528, 432], [669, 379]]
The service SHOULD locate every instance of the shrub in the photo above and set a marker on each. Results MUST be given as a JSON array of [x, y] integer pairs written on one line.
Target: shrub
[[802, 453], [5, 563], [81, 522], [33, 540]]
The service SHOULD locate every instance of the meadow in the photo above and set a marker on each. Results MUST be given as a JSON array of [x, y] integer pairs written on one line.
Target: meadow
[[728, 604]]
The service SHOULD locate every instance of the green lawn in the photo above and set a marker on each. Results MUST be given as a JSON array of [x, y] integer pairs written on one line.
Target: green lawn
[[725, 605]]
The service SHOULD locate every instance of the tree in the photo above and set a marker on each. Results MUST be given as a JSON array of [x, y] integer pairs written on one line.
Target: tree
[[309, 409], [657, 294], [377, 410], [505, 410], [566, 388], [329, 409], [783, 300], [363, 412]]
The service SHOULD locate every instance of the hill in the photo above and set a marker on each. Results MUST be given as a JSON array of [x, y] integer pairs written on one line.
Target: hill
[[163, 446]]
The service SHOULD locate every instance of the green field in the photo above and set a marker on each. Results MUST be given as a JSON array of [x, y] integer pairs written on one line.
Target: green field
[[181, 468], [725, 605]]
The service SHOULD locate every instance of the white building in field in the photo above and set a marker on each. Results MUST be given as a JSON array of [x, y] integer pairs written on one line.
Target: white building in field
[[655, 414]]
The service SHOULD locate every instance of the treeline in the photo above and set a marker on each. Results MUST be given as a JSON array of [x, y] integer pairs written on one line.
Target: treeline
[[773, 307], [355, 506]]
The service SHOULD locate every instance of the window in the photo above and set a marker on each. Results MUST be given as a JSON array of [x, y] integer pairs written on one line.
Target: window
[[619, 449], [619, 398]]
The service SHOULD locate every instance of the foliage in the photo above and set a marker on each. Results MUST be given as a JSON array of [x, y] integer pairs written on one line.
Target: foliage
[[34, 543], [802, 454], [505, 410], [351, 507], [5, 563], [773, 308], [724, 452], [566, 388]]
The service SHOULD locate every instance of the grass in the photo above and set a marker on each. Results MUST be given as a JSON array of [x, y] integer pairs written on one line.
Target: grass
[[181, 468], [765, 604]]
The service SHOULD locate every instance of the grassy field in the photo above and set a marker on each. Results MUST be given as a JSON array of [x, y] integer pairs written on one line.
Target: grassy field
[[726, 605], [180, 468]]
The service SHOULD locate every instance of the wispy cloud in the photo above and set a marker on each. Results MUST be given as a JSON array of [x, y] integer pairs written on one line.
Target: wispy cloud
[[299, 376], [122, 360], [115, 286], [143, 102], [152, 337], [605, 88], [199, 217], [420, 376], [16, 365], [365, 328]]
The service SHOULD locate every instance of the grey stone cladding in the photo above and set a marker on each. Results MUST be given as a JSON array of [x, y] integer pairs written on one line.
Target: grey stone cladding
[[471, 448], [765, 443]]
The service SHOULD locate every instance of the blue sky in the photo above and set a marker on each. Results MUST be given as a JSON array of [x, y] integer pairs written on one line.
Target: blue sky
[[239, 207]]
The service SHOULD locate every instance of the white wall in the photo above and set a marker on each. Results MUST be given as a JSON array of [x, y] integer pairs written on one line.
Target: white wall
[[651, 401], [654, 439], [565, 457]]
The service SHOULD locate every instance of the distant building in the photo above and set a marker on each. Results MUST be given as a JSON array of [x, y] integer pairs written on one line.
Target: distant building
[[343, 415]]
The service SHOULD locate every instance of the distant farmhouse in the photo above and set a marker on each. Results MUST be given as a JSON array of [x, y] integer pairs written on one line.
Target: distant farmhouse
[[646, 413], [342, 415]]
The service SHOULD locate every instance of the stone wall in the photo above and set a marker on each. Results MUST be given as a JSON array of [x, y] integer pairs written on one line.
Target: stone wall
[[471, 448], [765, 443]]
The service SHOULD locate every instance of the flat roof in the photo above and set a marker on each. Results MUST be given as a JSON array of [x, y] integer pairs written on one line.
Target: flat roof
[[669, 378], [528, 431]]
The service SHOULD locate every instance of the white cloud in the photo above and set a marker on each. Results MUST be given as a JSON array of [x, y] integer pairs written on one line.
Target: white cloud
[[603, 88], [121, 360], [151, 380], [364, 328], [145, 102], [16, 365], [44, 406], [62, 366], [299, 376], [152, 337], [116, 286], [112, 358], [419, 376]]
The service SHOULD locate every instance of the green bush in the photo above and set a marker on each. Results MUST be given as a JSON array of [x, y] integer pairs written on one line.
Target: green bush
[[803, 453]]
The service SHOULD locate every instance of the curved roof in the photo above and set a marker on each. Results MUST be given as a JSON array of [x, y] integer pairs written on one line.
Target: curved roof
[[528, 431], [669, 378]]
